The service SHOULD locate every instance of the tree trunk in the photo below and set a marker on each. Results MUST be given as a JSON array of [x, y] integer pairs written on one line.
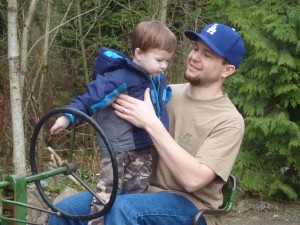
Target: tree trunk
[[45, 57], [19, 159], [163, 10], [24, 43], [81, 41]]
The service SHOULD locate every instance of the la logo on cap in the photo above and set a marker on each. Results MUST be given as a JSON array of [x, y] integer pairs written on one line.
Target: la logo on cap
[[212, 29]]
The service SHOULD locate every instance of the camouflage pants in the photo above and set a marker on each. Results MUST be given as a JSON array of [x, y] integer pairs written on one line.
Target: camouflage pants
[[134, 168]]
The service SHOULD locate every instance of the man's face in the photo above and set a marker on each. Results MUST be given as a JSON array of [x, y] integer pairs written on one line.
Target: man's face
[[204, 67]]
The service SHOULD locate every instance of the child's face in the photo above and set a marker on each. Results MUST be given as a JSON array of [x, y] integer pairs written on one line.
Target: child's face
[[154, 61]]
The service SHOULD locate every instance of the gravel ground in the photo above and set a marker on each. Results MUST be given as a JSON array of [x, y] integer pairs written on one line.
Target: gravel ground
[[254, 211]]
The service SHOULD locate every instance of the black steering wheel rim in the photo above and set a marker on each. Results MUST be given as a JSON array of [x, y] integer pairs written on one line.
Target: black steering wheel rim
[[34, 171]]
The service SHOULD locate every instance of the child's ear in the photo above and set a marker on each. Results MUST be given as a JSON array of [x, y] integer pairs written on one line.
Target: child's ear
[[138, 53]]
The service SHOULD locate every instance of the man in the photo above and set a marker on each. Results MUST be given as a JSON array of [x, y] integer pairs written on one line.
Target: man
[[206, 130], [194, 159]]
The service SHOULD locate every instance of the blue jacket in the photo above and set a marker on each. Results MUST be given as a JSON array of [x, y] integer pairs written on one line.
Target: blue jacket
[[116, 73]]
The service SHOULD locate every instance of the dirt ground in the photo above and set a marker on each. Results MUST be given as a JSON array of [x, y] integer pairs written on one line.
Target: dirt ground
[[255, 211]]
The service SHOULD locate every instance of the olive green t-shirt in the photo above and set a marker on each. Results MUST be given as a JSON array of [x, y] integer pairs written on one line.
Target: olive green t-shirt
[[211, 131]]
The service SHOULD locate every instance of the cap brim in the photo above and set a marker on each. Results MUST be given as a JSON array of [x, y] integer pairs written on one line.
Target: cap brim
[[191, 35], [195, 36]]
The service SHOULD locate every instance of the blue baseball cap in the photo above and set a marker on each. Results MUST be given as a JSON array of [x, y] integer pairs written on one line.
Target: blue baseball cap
[[223, 40]]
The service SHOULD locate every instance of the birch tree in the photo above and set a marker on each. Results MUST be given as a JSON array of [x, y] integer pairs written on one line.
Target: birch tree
[[19, 159], [17, 59]]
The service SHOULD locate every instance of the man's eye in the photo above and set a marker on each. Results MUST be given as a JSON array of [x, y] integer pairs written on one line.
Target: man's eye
[[207, 55]]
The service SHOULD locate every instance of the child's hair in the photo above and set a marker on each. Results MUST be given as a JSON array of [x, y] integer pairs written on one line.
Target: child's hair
[[153, 34]]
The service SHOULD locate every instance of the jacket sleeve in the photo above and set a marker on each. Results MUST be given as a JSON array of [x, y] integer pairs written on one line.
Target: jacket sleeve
[[100, 92]]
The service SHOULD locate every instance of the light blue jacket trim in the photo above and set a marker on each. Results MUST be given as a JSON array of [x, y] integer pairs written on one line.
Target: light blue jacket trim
[[109, 97], [154, 93], [167, 94], [70, 116], [112, 54]]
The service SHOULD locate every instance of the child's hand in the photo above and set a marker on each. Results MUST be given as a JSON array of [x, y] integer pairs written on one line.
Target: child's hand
[[60, 124]]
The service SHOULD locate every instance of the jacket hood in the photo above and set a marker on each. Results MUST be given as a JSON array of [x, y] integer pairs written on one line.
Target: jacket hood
[[109, 60]]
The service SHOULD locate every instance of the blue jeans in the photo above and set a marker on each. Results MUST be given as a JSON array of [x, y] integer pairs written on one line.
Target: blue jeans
[[133, 209], [78, 204]]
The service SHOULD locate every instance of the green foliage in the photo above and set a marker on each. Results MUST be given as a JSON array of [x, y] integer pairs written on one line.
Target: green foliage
[[266, 89]]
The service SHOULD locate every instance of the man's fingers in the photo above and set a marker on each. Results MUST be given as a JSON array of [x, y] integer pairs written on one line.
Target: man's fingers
[[147, 95], [117, 105], [124, 101], [122, 115], [126, 98]]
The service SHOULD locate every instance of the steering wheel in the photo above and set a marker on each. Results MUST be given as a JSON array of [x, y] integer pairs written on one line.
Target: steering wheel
[[69, 167]]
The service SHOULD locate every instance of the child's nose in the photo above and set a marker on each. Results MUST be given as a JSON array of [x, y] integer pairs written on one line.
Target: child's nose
[[164, 65]]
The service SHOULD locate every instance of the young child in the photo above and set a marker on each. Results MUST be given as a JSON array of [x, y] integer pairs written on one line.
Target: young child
[[153, 45]]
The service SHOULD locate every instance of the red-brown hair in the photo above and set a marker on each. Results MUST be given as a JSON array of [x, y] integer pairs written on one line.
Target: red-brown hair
[[153, 34]]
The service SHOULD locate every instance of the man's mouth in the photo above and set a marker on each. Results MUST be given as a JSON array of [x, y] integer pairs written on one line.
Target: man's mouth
[[193, 67]]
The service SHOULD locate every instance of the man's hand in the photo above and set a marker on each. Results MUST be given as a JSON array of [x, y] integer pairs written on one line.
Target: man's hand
[[137, 112]]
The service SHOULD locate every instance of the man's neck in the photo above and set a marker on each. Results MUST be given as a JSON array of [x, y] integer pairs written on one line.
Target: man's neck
[[204, 93]]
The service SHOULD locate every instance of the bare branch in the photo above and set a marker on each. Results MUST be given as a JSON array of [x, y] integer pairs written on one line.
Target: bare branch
[[24, 42], [56, 161], [55, 28]]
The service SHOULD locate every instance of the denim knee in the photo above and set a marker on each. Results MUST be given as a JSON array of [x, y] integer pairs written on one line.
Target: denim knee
[[78, 204]]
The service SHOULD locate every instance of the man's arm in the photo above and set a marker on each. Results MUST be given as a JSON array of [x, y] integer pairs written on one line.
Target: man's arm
[[188, 172]]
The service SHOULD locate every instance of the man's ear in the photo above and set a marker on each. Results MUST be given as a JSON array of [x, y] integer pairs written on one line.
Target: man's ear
[[228, 70]]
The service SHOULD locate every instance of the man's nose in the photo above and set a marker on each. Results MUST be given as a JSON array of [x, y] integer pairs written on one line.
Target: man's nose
[[196, 56]]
